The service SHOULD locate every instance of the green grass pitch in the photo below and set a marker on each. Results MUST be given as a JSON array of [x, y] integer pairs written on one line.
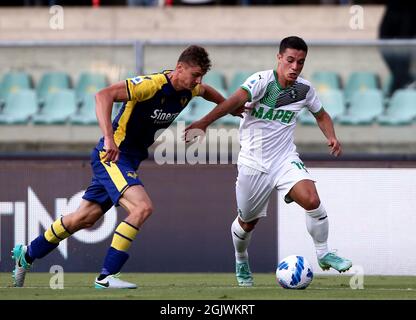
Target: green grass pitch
[[207, 286]]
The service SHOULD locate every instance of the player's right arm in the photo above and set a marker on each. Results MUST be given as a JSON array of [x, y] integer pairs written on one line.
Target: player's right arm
[[209, 93], [103, 107], [235, 101]]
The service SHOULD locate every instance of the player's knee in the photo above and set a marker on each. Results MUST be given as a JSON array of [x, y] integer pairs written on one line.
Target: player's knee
[[147, 209], [248, 226], [311, 202], [90, 219], [142, 210], [85, 221], [84, 217], [87, 224]]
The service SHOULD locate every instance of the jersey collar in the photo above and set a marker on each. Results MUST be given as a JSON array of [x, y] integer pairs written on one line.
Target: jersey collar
[[277, 81], [278, 84], [170, 85]]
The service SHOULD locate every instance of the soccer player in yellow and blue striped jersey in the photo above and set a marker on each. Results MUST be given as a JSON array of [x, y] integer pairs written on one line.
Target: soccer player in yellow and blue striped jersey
[[151, 102]]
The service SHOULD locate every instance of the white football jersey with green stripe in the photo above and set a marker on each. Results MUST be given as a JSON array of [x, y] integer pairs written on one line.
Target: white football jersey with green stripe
[[267, 130]]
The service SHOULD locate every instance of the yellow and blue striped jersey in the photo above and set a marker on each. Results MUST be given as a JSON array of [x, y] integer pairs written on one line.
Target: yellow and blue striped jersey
[[153, 105]]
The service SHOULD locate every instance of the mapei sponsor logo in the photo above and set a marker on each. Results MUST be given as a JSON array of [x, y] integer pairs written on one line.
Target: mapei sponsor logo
[[31, 219], [161, 116], [284, 116]]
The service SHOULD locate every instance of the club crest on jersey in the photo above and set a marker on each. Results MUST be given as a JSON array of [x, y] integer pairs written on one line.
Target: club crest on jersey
[[184, 100], [136, 80], [293, 94], [132, 174]]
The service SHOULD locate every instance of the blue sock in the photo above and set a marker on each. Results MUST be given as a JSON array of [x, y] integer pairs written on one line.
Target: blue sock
[[40, 247], [114, 261]]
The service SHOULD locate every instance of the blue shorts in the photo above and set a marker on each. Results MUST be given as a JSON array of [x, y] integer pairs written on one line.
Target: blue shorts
[[111, 179]]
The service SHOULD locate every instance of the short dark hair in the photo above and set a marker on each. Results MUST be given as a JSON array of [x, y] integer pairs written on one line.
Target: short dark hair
[[293, 42], [196, 55]]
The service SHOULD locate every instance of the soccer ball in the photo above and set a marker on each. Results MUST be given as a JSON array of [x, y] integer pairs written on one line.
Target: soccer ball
[[294, 272]]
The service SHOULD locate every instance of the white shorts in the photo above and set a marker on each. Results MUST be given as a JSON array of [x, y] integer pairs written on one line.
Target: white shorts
[[254, 188]]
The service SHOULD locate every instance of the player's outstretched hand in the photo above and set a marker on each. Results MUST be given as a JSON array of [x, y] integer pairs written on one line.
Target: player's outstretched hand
[[111, 150], [194, 130], [335, 146]]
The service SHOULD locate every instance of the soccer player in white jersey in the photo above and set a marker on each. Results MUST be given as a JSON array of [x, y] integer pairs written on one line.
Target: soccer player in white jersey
[[268, 159]]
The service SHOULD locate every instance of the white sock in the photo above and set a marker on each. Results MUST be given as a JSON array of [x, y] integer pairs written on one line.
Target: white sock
[[241, 240], [317, 225]]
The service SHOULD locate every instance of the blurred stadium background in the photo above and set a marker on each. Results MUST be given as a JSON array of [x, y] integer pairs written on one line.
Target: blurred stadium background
[[54, 59]]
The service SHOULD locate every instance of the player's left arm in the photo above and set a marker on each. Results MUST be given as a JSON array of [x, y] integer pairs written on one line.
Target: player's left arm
[[326, 125]]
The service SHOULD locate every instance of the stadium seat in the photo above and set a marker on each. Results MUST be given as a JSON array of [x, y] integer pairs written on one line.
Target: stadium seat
[[215, 79], [89, 83], [387, 85], [306, 117], [85, 115], [360, 81], [58, 107], [401, 109], [51, 82], [129, 74], [19, 106], [237, 80], [325, 80], [186, 114], [333, 102], [14, 81], [365, 107], [226, 120], [116, 108], [201, 107], [230, 120]]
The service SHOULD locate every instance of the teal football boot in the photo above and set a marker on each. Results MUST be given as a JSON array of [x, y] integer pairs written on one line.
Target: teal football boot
[[21, 265], [331, 260], [243, 274]]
